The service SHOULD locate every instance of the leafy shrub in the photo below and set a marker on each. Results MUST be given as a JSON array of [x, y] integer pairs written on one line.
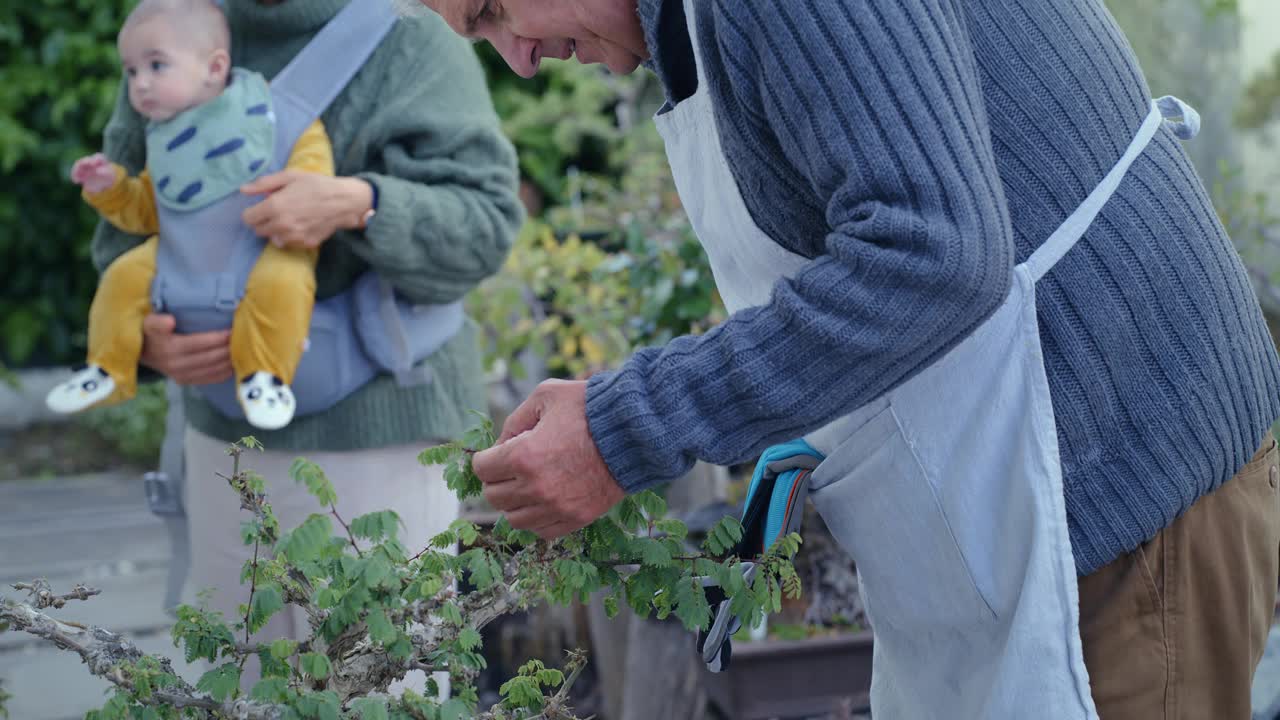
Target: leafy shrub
[[376, 611], [58, 80]]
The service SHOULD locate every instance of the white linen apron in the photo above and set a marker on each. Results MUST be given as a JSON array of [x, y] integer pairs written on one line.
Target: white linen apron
[[947, 491]]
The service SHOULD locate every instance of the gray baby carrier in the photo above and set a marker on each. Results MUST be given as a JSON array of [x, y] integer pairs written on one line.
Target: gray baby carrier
[[205, 254]]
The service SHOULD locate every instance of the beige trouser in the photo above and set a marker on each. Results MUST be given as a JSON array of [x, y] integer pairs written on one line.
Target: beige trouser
[[1175, 629], [365, 481]]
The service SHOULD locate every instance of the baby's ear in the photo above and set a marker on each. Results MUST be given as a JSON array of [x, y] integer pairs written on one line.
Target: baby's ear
[[219, 65]]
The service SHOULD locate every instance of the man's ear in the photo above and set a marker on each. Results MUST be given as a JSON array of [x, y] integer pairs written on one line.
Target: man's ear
[[219, 66]]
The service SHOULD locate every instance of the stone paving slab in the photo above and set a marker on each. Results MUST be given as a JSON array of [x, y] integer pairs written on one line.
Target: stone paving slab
[[24, 405], [87, 526]]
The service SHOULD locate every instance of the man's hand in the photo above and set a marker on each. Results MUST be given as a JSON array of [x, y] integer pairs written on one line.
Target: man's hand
[[94, 173], [195, 359], [545, 473], [304, 209]]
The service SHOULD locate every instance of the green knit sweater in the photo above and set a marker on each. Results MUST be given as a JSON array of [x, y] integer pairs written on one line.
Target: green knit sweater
[[417, 122]]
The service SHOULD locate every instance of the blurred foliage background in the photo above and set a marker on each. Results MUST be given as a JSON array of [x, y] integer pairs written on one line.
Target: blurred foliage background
[[607, 261], [58, 78]]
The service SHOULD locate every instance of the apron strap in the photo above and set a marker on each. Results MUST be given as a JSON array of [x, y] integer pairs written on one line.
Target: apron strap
[[1182, 120]]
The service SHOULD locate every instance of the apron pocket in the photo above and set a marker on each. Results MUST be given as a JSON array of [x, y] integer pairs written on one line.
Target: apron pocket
[[877, 502]]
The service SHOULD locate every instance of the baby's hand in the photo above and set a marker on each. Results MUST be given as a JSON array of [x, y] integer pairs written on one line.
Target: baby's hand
[[94, 173]]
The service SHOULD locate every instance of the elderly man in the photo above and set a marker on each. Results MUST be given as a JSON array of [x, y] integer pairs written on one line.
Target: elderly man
[[969, 263]]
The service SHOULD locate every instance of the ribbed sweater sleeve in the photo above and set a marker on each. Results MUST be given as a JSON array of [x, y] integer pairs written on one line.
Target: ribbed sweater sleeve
[[446, 176], [877, 108]]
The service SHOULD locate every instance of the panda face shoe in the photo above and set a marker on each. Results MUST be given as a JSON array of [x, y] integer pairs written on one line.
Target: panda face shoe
[[84, 389], [268, 403]]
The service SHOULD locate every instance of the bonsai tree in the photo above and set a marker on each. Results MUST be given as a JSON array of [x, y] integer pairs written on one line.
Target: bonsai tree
[[378, 610]]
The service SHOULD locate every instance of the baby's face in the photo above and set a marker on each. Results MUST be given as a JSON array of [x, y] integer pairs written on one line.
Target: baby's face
[[165, 75]]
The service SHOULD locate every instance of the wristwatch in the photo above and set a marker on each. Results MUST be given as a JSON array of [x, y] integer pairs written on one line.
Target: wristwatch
[[367, 217]]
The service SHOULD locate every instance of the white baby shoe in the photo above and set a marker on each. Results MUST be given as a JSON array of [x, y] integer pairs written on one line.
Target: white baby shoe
[[268, 403], [85, 388]]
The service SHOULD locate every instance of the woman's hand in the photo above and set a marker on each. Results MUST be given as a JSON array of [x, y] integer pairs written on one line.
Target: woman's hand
[[195, 359], [305, 209]]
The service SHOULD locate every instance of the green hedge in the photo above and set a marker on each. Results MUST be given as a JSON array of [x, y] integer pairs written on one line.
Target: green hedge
[[58, 79]]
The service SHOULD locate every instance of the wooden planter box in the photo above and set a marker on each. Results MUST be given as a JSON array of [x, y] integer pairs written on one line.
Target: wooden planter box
[[794, 679]]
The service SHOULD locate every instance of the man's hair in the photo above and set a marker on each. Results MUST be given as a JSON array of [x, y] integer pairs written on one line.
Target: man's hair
[[201, 21]]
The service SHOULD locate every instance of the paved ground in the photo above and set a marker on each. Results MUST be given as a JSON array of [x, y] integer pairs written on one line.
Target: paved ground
[[97, 529], [94, 529]]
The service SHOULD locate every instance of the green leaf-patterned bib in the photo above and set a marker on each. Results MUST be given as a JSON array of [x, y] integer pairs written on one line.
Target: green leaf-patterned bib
[[200, 156]]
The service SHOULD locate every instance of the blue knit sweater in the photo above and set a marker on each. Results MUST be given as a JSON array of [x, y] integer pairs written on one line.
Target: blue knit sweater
[[916, 150]]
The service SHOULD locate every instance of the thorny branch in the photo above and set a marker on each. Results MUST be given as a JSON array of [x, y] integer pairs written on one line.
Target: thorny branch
[[103, 652], [42, 594]]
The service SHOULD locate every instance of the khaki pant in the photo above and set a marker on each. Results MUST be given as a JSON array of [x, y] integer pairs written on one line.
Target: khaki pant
[[366, 481], [1175, 629]]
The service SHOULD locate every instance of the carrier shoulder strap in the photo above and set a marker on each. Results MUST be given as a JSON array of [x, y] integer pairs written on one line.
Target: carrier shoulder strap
[[315, 76]]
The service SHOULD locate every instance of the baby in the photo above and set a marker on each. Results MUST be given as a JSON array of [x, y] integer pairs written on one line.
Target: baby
[[211, 129]]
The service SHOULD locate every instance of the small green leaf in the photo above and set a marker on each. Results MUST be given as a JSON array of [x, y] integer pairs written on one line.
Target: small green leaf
[[380, 629], [672, 527], [327, 598], [283, 648], [308, 473], [371, 708], [652, 504], [522, 538], [306, 541], [466, 531], [629, 514], [469, 639], [444, 540], [320, 705], [652, 552], [266, 602], [221, 682], [401, 649], [430, 586], [271, 690], [437, 455], [501, 527], [316, 665], [550, 677], [273, 667], [376, 572], [723, 536], [479, 437], [611, 606], [376, 526], [482, 570], [451, 613], [691, 604], [521, 692], [455, 709]]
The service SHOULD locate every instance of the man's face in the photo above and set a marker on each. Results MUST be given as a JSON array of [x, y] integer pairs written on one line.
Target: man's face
[[525, 31]]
